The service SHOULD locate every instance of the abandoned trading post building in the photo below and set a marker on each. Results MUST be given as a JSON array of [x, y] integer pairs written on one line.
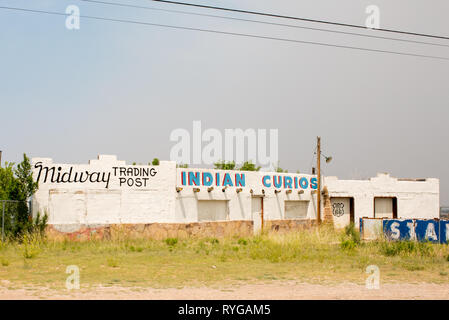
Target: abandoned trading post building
[[107, 196]]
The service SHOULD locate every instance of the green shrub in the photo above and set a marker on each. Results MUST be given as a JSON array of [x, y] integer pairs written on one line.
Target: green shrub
[[351, 232], [242, 241], [348, 244], [350, 238], [213, 241], [393, 248], [17, 184], [30, 246], [171, 241]]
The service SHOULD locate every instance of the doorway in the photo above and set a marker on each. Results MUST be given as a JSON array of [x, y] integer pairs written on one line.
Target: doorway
[[257, 213]]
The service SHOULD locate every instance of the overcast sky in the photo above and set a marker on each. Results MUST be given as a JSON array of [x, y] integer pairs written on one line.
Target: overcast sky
[[115, 88]]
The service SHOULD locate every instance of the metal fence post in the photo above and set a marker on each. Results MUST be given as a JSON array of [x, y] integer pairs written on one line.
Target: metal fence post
[[3, 222]]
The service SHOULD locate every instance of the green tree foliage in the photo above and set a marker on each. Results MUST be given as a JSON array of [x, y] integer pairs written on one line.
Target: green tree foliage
[[222, 165], [249, 166], [277, 168], [155, 162], [17, 184], [7, 182], [26, 186]]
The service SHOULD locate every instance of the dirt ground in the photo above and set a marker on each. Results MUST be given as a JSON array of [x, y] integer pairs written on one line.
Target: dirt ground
[[270, 291]]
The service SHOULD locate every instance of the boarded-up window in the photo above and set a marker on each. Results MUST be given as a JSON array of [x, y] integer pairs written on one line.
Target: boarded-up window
[[71, 204], [213, 210], [296, 209], [385, 207]]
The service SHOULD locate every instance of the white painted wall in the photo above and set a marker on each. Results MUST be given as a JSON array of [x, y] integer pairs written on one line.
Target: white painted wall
[[415, 199], [340, 211], [111, 200], [75, 203], [240, 204]]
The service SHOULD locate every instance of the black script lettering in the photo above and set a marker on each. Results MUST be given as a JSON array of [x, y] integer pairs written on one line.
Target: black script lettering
[[39, 165], [67, 175]]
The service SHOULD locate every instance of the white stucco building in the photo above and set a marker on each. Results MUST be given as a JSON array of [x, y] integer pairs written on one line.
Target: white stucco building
[[109, 192], [383, 197]]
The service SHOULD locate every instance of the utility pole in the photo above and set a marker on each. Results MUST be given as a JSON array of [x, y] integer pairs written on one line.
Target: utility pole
[[0, 158], [318, 156]]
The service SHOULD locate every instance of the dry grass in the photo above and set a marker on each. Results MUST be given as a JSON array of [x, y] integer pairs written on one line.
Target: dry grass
[[314, 256]]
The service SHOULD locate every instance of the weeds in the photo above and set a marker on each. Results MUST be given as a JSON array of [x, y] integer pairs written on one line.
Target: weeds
[[5, 262], [318, 253], [31, 245], [112, 262], [242, 241], [352, 233], [350, 238], [394, 248], [171, 241]]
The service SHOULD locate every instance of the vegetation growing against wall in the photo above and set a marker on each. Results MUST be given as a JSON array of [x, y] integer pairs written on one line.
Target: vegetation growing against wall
[[246, 166], [17, 186]]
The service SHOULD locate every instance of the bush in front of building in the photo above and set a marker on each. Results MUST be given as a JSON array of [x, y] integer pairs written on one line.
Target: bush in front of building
[[17, 184]]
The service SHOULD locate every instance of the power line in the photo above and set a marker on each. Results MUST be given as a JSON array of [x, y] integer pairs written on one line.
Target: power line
[[300, 19], [229, 33], [261, 22]]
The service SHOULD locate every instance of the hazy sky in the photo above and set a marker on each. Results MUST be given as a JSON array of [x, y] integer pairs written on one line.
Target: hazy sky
[[115, 88]]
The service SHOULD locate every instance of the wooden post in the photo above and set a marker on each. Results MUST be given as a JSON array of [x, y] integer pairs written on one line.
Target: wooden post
[[261, 212], [318, 216]]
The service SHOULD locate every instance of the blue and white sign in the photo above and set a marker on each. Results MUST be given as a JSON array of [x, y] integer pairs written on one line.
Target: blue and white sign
[[444, 231], [427, 230], [396, 229], [436, 231]]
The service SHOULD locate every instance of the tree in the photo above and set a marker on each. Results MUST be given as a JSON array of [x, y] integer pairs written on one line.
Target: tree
[[18, 184], [222, 165], [26, 186], [155, 162], [249, 166], [7, 182]]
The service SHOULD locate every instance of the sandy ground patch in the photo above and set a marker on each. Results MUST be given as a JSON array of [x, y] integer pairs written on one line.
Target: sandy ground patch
[[271, 291]]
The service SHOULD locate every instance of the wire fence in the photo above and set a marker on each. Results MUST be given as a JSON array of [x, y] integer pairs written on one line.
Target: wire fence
[[444, 212], [13, 211]]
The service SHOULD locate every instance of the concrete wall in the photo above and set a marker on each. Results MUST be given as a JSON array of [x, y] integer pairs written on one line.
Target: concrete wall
[[105, 191], [240, 203], [109, 192], [418, 198]]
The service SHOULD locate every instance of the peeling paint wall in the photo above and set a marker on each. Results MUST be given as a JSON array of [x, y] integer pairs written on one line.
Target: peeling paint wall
[[415, 198], [76, 203], [240, 203], [109, 192]]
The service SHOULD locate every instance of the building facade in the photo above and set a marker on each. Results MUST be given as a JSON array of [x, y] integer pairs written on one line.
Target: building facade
[[164, 200]]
